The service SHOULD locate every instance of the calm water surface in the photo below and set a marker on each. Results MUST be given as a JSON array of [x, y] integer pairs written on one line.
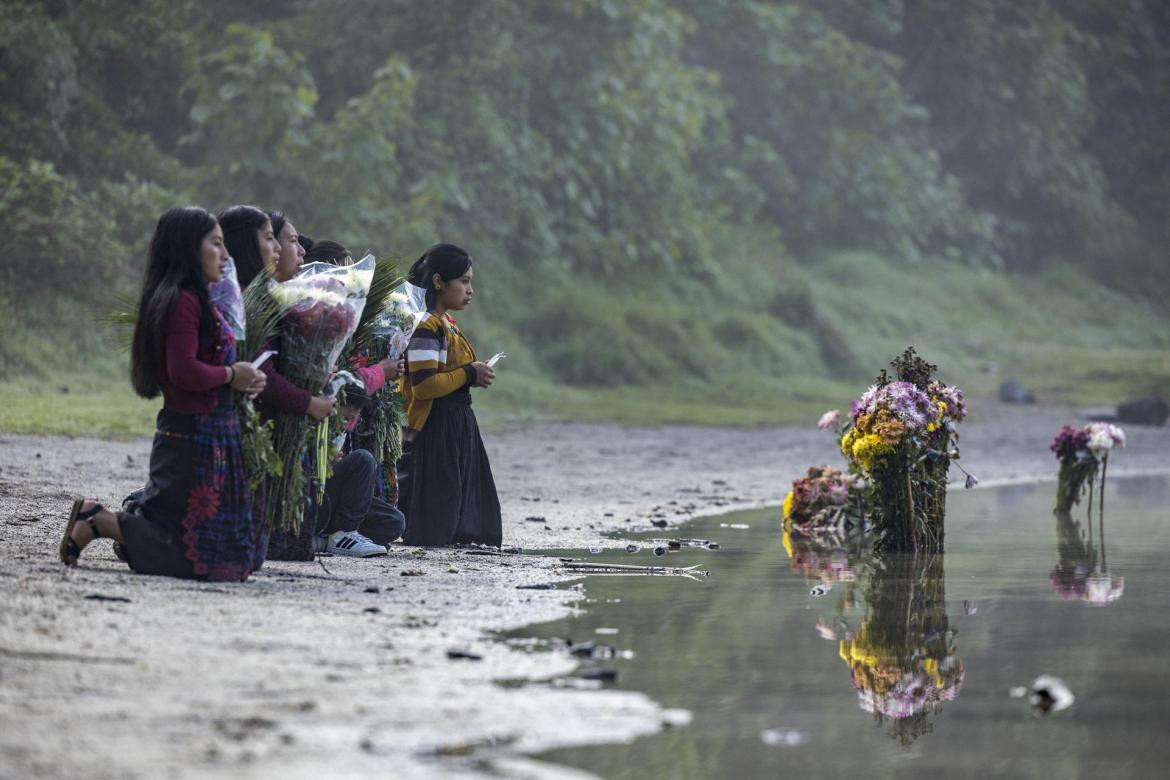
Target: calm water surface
[[904, 666]]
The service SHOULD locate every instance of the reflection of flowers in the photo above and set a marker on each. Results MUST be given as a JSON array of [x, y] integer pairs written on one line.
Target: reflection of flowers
[[902, 660], [819, 556], [1080, 573]]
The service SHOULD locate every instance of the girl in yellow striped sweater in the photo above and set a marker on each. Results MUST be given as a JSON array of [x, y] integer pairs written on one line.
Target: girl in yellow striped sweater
[[445, 481]]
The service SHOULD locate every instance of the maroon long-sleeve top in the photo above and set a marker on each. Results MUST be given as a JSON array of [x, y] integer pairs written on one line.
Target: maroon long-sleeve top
[[194, 371], [279, 394]]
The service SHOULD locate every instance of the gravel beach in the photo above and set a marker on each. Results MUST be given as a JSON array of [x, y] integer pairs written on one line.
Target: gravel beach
[[341, 667]]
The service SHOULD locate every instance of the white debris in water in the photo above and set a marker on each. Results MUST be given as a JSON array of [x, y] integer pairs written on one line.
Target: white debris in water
[[604, 630], [1017, 692], [783, 737], [577, 683], [1050, 694], [676, 718], [820, 590], [740, 526]]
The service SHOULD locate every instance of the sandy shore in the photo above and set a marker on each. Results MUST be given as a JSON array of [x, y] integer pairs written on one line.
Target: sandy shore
[[339, 668]]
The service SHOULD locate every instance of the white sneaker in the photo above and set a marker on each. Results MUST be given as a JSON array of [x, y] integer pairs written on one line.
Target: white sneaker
[[353, 544]]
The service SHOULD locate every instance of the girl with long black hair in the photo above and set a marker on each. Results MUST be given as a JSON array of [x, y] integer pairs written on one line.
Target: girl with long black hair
[[446, 488], [193, 519], [265, 243]]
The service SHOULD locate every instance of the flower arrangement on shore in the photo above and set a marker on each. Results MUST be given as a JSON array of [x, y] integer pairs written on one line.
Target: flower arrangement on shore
[[825, 498], [1083, 453], [319, 308], [902, 436]]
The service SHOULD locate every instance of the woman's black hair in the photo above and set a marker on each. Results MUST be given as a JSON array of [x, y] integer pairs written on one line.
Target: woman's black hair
[[278, 220], [305, 242], [446, 260], [326, 251], [173, 264], [240, 225]]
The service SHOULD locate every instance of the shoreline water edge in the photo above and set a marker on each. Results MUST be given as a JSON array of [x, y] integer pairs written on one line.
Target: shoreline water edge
[[357, 668]]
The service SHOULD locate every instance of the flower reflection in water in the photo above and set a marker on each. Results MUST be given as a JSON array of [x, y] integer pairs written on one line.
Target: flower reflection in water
[[903, 660], [902, 655], [1081, 572]]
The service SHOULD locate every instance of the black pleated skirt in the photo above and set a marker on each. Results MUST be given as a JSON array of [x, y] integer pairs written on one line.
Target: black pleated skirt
[[445, 481]]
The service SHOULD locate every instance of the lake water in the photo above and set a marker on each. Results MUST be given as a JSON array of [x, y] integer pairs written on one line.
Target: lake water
[[902, 667]]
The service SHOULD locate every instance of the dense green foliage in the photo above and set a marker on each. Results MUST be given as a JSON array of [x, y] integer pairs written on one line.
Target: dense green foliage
[[626, 172]]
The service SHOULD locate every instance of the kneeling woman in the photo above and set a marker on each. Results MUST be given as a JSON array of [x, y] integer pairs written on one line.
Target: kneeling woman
[[194, 519], [446, 489]]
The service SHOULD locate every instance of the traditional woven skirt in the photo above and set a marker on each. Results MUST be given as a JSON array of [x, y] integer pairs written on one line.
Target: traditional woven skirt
[[194, 518], [445, 481]]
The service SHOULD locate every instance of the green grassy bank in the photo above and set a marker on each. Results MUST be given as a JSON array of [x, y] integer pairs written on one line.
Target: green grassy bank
[[772, 347]]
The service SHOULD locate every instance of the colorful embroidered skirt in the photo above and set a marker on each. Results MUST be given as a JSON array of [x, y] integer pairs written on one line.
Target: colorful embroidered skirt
[[194, 519]]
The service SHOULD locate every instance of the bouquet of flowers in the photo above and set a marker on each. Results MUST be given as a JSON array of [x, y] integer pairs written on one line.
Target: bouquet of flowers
[[395, 324], [389, 334], [319, 310], [1082, 452], [238, 307], [902, 437], [826, 498]]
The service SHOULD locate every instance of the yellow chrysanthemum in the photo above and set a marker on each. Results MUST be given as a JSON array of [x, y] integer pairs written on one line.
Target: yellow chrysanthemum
[[788, 540], [788, 501], [868, 449], [942, 410]]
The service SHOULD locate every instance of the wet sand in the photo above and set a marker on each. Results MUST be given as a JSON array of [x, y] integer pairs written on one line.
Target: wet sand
[[340, 667]]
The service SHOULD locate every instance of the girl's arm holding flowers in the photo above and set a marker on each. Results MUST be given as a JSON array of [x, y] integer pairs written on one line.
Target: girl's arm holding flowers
[[376, 376], [283, 396]]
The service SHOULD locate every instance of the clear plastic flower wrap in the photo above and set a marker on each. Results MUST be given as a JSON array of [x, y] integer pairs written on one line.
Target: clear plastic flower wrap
[[394, 326], [320, 308], [229, 299]]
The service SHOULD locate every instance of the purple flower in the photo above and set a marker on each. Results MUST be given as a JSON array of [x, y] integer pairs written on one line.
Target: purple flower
[[971, 481], [1069, 442]]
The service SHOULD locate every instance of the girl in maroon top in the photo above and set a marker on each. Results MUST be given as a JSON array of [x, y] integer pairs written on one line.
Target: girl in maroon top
[[264, 244], [194, 517]]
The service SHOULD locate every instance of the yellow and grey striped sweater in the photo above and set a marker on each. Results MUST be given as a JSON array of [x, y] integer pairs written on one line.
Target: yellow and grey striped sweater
[[438, 362]]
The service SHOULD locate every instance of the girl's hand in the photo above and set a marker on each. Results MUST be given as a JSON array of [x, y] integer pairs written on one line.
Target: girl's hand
[[484, 374], [392, 368], [247, 379], [320, 407]]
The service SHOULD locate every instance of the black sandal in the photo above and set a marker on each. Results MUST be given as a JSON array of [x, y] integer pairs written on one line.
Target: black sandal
[[69, 548]]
